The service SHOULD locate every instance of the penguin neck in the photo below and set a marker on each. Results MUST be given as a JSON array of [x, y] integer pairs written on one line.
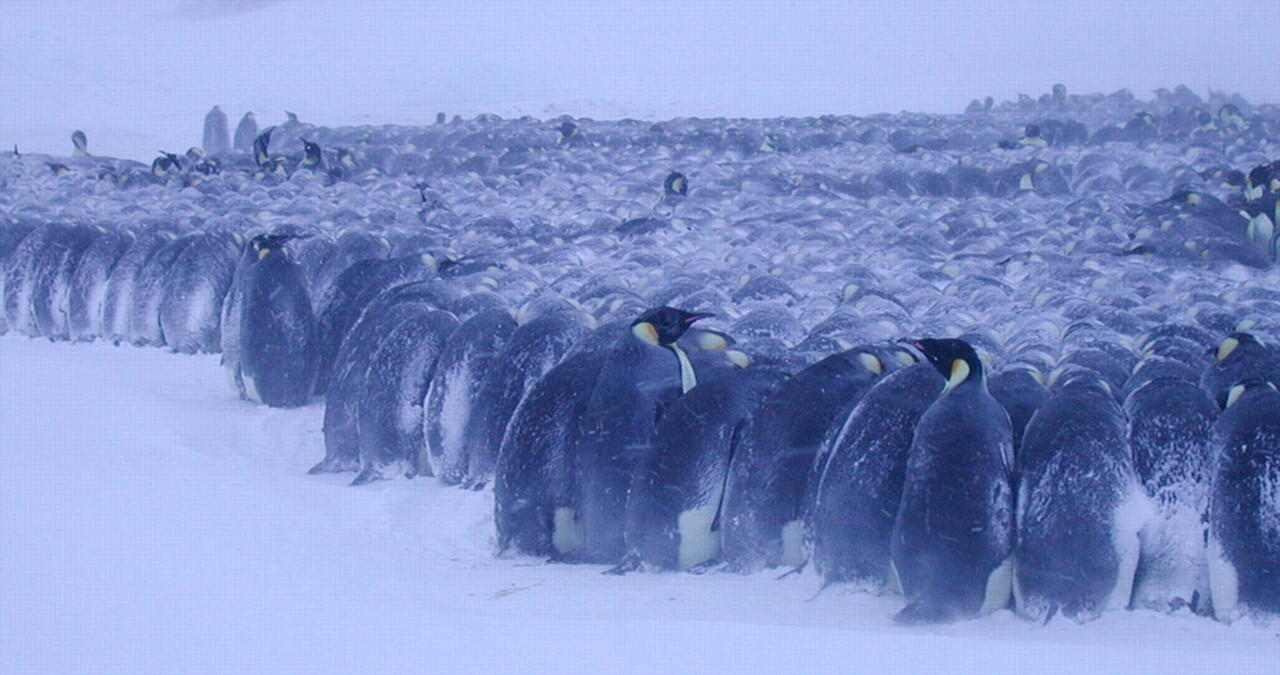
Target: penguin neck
[[688, 378]]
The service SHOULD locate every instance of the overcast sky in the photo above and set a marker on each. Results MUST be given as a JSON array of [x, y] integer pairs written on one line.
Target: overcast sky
[[141, 73]]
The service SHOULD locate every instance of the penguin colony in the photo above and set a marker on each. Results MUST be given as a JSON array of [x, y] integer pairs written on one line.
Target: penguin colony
[[1021, 356]]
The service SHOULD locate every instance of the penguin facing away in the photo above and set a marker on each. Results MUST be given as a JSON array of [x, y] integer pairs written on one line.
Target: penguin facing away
[[1244, 510], [952, 542]]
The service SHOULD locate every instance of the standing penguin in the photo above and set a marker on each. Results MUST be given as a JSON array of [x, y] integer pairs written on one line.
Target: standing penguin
[[80, 142], [535, 488], [645, 372], [389, 413], [1244, 510], [216, 139], [857, 483], [451, 396], [1080, 505], [246, 132], [673, 505], [534, 347], [1170, 423], [277, 329], [953, 538], [771, 466]]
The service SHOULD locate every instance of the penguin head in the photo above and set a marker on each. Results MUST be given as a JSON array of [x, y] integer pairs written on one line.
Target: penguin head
[[80, 142], [313, 153], [440, 118], [675, 185], [58, 169], [567, 130], [1260, 176], [1230, 396], [1059, 92], [1031, 131], [955, 359], [264, 244], [664, 325], [1232, 342], [262, 145]]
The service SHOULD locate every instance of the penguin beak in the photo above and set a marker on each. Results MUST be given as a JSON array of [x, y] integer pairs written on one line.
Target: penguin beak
[[688, 320]]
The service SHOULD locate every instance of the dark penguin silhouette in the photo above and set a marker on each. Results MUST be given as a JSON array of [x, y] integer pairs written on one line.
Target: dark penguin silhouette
[[277, 329], [1244, 552], [645, 372], [953, 538], [216, 139]]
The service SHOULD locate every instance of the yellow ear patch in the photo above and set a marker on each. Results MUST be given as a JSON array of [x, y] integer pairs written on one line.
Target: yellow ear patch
[[1234, 394], [645, 332], [871, 363], [1228, 345], [262, 253], [709, 341], [429, 261], [738, 358], [1193, 198], [959, 373], [905, 357]]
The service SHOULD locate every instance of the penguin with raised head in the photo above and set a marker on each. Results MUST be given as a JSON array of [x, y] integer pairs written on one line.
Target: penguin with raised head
[[952, 543], [1244, 508], [645, 372], [767, 483], [1080, 504], [1238, 357], [81, 144], [673, 512], [246, 132], [216, 139], [277, 328], [1170, 421], [857, 481]]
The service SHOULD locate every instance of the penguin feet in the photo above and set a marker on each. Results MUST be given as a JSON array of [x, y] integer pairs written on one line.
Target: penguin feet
[[630, 563]]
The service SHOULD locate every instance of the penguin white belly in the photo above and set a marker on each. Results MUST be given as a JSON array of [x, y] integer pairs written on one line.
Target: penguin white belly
[[698, 542], [250, 388], [1130, 518], [793, 543], [566, 531], [1224, 583], [999, 586]]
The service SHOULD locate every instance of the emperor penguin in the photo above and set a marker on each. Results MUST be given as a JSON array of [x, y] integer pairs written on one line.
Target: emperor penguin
[[1238, 357], [1244, 503], [246, 132], [1080, 504], [277, 327], [643, 374], [80, 142], [216, 139], [952, 544]]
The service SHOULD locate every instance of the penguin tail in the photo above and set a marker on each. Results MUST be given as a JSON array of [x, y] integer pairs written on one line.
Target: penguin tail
[[368, 475], [924, 612], [330, 465], [794, 570]]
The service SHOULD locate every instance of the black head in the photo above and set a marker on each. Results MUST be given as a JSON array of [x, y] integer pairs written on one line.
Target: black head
[[676, 184], [568, 129], [313, 153], [664, 325], [439, 118], [1260, 175], [1203, 117], [79, 140], [955, 359], [266, 243], [1235, 178], [1231, 343], [1032, 131], [1228, 110], [262, 146], [1229, 397], [1059, 91]]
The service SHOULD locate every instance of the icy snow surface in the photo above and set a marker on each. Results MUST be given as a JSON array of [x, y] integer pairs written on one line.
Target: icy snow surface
[[152, 522]]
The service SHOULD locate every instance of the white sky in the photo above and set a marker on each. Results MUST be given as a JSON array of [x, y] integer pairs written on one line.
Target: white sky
[[138, 75]]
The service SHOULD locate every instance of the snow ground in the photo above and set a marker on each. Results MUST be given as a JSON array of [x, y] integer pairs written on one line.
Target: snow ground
[[152, 522]]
